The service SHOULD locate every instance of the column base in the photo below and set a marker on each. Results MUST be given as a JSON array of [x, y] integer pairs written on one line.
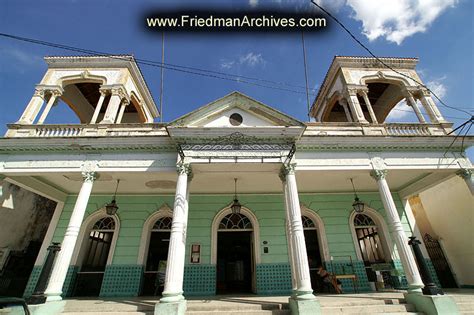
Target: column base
[[303, 306], [49, 308], [170, 308], [432, 304], [51, 297]]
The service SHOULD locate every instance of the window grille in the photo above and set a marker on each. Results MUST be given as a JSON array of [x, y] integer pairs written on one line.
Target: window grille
[[163, 223], [308, 223], [235, 221], [107, 224]]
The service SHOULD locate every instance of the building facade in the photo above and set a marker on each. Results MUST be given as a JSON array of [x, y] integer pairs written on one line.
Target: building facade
[[234, 197]]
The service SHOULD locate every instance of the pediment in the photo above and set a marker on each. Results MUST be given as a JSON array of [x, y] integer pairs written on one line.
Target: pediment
[[235, 110]]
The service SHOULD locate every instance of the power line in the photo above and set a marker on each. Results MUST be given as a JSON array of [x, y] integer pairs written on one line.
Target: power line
[[382, 62], [305, 73], [173, 67]]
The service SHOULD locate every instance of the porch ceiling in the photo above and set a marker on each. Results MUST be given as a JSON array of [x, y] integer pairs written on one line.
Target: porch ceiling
[[219, 179]]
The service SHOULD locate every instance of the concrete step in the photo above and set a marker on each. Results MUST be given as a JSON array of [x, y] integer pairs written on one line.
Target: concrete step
[[368, 309], [108, 313], [241, 312]]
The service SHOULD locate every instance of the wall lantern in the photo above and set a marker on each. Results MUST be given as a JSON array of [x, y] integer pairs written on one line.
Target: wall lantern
[[236, 206], [357, 205], [111, 208]]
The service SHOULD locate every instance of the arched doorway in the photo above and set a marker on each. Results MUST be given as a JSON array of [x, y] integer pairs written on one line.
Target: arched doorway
[[157, 256], [235, 257], [372, 245], [96, 253]]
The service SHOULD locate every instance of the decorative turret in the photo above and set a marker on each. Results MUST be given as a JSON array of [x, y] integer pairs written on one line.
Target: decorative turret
[[99, 89], [363, 90]]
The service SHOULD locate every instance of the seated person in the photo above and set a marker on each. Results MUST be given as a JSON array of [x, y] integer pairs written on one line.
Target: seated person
[[329, 279]]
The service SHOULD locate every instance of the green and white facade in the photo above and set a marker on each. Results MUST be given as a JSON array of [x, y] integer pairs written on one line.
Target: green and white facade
[[293, 180]]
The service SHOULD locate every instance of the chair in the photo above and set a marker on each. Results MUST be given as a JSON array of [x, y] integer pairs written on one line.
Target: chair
[[345, 271]]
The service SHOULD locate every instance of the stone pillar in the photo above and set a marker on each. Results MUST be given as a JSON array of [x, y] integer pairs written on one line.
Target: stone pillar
[[353, 101], [173, 301], [412, 102], [98, 107], [55, 93], [118, 94], [33, 107], [344, 105], [397, 232], [369, 106], [288, 231], [468, 177], [298, 245], [61, 265], [431, 107], [122, 111]]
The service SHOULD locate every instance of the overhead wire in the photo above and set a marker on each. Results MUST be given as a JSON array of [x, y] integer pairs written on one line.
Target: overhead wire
[[284, 86]]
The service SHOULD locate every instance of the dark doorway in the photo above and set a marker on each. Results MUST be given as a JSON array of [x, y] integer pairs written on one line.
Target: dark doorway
[[156, 263], [440, 263], [313, 251], [234, 262]]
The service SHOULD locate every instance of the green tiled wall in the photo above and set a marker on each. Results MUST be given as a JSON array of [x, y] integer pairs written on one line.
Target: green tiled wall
[[344, 267], [274, 279], [30, 286], [68, 286], [199, 280], [121, 280]]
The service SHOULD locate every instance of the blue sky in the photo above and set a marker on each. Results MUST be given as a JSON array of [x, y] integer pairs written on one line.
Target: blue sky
[[439, 32]]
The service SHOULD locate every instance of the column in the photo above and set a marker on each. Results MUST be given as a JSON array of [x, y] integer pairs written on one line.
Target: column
[[63, 260], [369, 106], [52, 100], [122, 111], [33, 107], [297, 241], [173, 291], [431, 107], [354, 104], [412, 102], [118, 94], [467, 175], [288, 231], [344, 105], [98, 107], [397, 232]]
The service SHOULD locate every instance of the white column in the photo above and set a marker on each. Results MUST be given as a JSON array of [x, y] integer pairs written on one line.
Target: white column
[[431, 108], [33, 107], [298, 244], [354, 104], [344, 105], [52, 99], [369, 106], [412, 102], [63, 260], [397, 232], [468, 177], [173, 291], [118, 94], [122, 111], [98, 107], [288, 231]]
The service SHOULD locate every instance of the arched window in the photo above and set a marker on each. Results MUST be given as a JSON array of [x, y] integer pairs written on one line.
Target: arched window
[[235, 221], [308, 224], [163, 223], [368, 239]]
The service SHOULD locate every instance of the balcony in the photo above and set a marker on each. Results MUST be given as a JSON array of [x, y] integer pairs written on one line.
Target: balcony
[[157, 129]]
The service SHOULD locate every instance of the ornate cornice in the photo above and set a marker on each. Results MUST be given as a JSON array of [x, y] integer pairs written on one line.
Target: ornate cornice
[[288, 169], [89, 176]]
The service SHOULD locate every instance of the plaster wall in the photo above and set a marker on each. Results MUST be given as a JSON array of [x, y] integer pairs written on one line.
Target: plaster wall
[[449, 208]]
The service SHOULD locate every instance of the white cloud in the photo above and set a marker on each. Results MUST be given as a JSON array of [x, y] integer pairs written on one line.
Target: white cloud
[[397, 20], [250, 59], [253, 3], [20, 57], [437, 87], [401, 110]]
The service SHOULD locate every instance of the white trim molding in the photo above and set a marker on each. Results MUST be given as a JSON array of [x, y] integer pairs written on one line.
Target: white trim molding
[[164, 211]]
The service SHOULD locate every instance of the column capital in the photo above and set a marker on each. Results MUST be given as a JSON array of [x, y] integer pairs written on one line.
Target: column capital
[[378, 174], [288, 169], [464, 173], [89, 176], [104, 91], [184, 168]]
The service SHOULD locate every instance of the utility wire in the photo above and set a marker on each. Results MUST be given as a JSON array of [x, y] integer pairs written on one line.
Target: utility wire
[[305, 74], [185, 69], [382, 62], [162, 73]]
